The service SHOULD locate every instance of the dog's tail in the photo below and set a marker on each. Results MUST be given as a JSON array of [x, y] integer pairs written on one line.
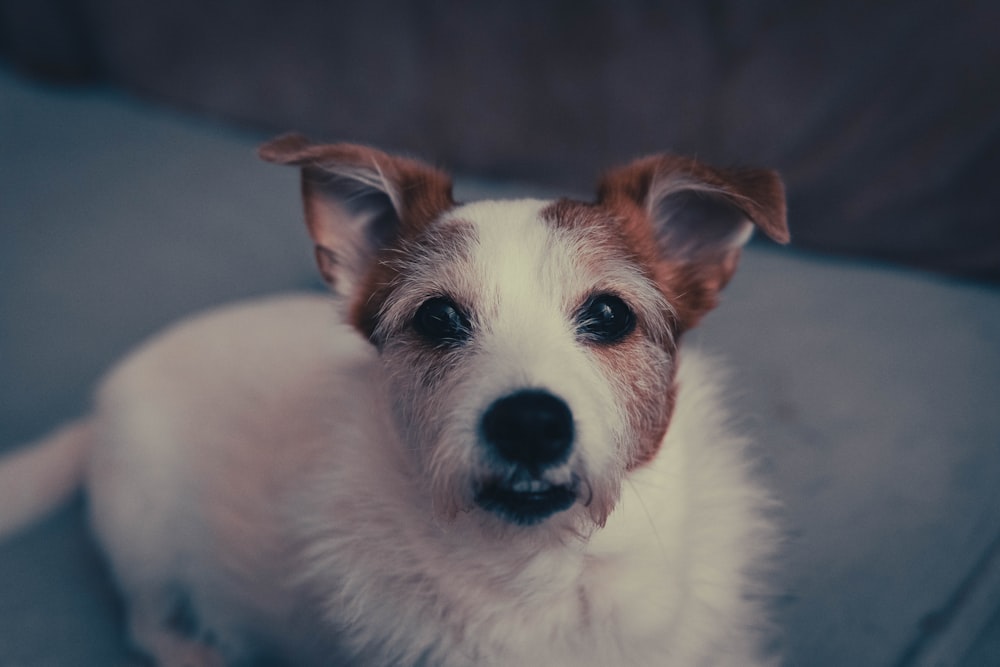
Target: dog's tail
[[37, 478]]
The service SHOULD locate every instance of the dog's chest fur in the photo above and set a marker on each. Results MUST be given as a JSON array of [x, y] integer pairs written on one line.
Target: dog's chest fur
[[353, 555], [660, 582]]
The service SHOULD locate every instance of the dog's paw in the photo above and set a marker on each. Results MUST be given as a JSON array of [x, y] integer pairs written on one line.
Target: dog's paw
[[168, 648], [174, 651]]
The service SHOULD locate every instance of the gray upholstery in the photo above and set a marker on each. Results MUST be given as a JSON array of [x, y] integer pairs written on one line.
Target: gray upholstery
[[882, 116], [872, 391]]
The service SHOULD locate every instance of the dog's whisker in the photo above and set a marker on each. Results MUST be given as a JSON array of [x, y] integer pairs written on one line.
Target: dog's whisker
[[590, 490], [649, 518]]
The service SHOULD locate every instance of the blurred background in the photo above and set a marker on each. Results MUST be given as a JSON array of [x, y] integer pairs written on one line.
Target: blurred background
[[884, 117], [869, 349]]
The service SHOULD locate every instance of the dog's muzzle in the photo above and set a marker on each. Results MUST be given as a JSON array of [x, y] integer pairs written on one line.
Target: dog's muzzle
[[530, 433]]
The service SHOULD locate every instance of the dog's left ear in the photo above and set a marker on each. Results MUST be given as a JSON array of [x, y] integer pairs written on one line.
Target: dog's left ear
[[698, 218], [358, 202]]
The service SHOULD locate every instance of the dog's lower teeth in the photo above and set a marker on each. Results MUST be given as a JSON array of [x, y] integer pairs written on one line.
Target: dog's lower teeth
[[530, 486]]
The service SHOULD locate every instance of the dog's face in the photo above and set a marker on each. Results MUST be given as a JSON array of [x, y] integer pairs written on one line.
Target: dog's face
[[529, 359], [529, 347]]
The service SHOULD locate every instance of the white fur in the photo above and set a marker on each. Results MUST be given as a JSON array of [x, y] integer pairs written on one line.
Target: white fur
[[248, 470]]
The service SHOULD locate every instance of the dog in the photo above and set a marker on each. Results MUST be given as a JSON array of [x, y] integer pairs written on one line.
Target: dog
[[487, 449]]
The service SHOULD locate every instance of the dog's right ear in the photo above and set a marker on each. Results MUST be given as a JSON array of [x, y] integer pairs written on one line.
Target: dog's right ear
[[359, 201]]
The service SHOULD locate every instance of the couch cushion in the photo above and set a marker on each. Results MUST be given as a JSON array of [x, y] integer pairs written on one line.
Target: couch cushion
[[871, 391]]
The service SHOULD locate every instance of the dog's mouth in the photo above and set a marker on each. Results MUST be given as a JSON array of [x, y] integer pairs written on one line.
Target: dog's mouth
[[526, 499]]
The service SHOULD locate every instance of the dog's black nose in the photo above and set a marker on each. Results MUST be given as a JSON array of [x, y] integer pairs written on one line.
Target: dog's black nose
[[530, 427]]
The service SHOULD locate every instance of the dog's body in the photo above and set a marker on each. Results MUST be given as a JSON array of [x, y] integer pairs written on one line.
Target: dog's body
[[515, 468]]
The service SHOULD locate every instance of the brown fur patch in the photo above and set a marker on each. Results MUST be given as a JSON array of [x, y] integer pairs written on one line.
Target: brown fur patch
[[419, 193], [420, 242], [645, 380], [623, 218], [692, 287], [757, 192], [624, 227], [644, 376]]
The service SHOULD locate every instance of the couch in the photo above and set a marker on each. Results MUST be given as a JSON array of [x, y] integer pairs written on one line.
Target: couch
[[870, 385]]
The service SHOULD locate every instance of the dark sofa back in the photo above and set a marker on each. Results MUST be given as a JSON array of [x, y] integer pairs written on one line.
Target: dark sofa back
[[883, 117]]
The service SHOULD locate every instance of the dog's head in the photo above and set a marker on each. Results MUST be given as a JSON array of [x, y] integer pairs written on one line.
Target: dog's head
[[529, 346]]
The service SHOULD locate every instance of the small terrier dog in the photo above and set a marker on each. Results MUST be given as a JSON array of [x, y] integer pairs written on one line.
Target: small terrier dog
[[488, 450]]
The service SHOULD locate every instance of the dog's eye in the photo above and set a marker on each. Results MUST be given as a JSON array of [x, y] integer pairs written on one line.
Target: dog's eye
[[441, 322], [605, 318]]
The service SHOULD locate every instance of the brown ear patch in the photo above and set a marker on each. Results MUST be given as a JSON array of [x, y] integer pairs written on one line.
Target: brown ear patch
[[361, 205], [758, 193], [690, 221], [418, 191]]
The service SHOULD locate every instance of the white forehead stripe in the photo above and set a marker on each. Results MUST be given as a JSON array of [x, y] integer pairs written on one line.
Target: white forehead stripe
[[526, 259], [514, 247]]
